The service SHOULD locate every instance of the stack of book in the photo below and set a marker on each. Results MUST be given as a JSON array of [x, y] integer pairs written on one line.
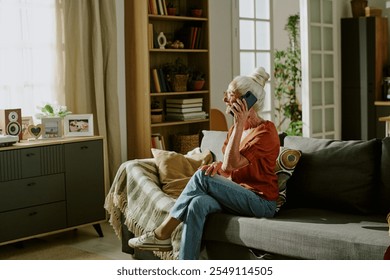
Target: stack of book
[[185, 109], [157, 141], [157, 7]]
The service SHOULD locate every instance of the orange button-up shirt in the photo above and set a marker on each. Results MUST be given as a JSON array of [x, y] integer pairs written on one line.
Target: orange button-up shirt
[[261, 148]]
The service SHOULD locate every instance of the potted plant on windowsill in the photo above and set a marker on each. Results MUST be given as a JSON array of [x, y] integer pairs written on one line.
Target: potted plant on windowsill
[[177, 74]]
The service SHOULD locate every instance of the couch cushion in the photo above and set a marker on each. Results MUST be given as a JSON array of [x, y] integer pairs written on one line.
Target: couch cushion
[[305, 233], [385, 176], [176, 169], [285, 165], [339, 175]]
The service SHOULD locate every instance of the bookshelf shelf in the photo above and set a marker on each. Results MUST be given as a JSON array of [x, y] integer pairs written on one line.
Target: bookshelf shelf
[[178, 50], [175, 123], [176, 18], [206, 92]]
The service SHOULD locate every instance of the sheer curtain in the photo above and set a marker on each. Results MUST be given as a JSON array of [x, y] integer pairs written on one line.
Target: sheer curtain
[[31, 54]]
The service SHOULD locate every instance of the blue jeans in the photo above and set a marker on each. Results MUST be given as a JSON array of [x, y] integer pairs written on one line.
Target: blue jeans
[[204, 195]]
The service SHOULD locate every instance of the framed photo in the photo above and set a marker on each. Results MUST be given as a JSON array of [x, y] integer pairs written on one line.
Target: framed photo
[[52, 127], [26, 122], [78, 125]]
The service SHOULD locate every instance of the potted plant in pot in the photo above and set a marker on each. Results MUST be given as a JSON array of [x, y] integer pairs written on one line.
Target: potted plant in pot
[[155, 111], [177, 74], [197, 80], [171, 9], [196, 11]]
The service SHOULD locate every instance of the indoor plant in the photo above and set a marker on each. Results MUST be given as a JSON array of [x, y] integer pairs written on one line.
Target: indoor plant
[[155, 111], [171, 9], [288, 81], [196, 80]]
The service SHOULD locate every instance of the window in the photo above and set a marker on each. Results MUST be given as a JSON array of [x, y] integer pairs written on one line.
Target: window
[[255, 44], [30, 54]]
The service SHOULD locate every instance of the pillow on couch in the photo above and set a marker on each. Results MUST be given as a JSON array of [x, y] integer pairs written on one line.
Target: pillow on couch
[[285, 165], [176, 169], [384, 196], [337, 175], [213, 141]]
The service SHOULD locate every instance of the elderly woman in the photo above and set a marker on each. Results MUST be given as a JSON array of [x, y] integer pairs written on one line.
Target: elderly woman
[[244, 183]]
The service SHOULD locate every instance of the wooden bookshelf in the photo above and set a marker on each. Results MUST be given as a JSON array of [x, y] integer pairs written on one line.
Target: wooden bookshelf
[[195, 57]]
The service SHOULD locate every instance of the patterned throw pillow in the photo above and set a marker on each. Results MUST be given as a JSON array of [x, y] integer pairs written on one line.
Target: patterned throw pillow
[[285, 165]]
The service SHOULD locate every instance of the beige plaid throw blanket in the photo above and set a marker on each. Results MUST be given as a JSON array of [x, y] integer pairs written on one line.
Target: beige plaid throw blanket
[[136, 193]]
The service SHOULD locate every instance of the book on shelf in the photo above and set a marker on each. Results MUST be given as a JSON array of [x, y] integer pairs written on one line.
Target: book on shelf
[[183, 100], [189, 105], [183, 110], [150, 36], [186, 116], [156, 81], [152, 7], [163, 82], [157, 141], [160, 7]]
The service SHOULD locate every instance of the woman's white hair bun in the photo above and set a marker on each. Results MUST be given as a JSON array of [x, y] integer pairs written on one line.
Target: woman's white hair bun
[[260, 76]]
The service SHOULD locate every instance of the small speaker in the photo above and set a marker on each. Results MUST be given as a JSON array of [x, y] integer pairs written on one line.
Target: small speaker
[[11, 122]]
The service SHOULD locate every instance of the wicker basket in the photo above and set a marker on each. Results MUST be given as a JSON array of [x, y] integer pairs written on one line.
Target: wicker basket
[[180, 83], [185, 143]]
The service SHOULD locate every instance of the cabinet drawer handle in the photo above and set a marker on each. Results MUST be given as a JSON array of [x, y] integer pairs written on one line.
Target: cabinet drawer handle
[[30, 155], [31, 184], [84, 147], [33, 213]]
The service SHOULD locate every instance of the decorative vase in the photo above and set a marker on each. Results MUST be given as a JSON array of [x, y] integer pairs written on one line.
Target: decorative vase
[[358, 8]]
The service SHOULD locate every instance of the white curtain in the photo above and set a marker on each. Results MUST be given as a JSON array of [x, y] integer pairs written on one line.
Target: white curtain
[[31, 54]]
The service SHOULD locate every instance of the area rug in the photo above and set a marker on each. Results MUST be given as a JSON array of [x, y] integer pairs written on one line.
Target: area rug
[[55, 252]]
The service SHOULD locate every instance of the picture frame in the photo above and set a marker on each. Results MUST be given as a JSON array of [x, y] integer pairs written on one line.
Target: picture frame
[[78, 125], [26, 122], [52, 127]]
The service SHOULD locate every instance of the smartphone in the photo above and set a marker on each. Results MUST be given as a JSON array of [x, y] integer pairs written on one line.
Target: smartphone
[[250, 100]]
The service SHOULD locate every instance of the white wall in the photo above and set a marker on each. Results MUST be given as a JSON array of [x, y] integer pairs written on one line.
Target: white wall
[[282, 9], [221, 59]]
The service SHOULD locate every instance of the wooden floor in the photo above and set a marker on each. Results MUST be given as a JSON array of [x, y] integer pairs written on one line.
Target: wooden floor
[[85, 238]]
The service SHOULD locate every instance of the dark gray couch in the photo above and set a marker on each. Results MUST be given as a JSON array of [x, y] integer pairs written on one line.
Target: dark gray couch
[[337, 201]]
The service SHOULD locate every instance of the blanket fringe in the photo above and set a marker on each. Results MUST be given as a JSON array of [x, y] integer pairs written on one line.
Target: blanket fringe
[[127, 197]]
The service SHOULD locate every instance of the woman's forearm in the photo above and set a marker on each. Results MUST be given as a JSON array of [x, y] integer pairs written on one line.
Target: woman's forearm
[[232, 158]]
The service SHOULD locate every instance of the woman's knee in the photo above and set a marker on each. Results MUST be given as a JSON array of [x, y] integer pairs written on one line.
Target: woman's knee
[[204, 204]]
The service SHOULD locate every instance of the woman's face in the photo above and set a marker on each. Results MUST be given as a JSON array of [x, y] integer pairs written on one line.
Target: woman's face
[[230, 96]]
